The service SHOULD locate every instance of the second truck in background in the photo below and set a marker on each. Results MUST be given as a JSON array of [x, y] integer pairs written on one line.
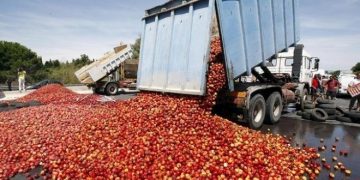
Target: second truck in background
[[114, 70]]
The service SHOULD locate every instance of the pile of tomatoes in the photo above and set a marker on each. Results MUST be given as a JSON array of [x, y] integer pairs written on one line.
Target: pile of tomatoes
[[151, 136]]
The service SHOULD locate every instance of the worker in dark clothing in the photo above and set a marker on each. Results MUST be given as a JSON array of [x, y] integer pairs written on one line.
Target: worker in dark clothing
[[9, 83], [332, 87], [355, 98]]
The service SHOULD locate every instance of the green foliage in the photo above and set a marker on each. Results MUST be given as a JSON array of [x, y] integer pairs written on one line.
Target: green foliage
[[136, 48], [356, 68], [13, 56], [52, 64], [64, 73], [82, 61]]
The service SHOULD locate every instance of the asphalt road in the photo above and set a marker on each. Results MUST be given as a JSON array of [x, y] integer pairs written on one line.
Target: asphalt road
[[310, 132]]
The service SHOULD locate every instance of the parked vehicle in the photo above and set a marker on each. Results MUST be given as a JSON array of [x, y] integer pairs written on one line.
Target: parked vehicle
[[175, 52], [344, 80], [103, 75], [43, 83], [284, 63]]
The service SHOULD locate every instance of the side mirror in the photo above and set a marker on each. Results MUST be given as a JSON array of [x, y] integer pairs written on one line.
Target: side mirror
[[316, 65]]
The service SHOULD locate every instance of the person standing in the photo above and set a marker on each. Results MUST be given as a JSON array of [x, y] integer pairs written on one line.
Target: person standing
[[357, 97], [9, 83], [332, 87], [315, 87], [21, 78]]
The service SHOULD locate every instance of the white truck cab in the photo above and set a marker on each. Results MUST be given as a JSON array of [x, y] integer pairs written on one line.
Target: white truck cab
[[283, 64]]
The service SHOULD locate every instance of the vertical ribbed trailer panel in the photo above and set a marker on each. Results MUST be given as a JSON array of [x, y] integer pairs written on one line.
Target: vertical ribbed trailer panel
[[175, 47], [176, 40], [255, 30]]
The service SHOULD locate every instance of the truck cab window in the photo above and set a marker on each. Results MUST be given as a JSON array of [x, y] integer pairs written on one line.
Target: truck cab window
[[289, 62]]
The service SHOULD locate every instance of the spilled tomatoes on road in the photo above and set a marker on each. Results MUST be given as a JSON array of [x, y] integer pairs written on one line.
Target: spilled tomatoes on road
[[151, 136]]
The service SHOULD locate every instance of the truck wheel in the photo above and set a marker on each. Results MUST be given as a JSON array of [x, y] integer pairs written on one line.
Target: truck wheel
[[257, 111], [111, 89], [274, 107], [95, 90]]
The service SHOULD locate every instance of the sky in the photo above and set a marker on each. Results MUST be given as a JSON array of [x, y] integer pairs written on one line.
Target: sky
[[330, 29]]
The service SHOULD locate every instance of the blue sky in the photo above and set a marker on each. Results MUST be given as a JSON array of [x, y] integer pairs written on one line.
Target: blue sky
[[330, 29]]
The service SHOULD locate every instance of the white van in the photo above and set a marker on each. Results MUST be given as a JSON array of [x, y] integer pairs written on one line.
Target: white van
[[344, 80]]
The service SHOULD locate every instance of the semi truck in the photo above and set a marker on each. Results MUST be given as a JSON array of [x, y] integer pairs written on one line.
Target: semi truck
[[175, 46], [283, 64], [103, 75]]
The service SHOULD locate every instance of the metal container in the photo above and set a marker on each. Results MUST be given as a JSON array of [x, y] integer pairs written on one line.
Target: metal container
[[255, 30], [97, 70], [176, 40]]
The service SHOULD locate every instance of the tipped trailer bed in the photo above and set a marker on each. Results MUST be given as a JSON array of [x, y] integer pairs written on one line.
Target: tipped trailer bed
[[176, 43], [102, 74]]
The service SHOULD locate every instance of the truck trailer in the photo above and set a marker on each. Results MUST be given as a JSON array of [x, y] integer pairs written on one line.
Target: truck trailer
[[103, 75], [175, 46]]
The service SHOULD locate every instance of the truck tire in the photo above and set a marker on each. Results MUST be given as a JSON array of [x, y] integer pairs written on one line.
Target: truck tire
[[319, 115], [309, 106], [95, 90], [325, 101], [326, 106], [299, 113], [343, 119], [257, 112], [354, 116], [111, 89], [308, 110], [340, 110], [274, 107], [329, 111], [332, 117], [306, 115]]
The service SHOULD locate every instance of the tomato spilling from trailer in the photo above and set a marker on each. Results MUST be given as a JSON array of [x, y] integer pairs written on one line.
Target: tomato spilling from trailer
[[150, 136]]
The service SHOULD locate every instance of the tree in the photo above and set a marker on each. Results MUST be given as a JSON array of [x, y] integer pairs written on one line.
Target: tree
[[13, 56], [356, 68], [52, 64], [136, 48], [82, 61]]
